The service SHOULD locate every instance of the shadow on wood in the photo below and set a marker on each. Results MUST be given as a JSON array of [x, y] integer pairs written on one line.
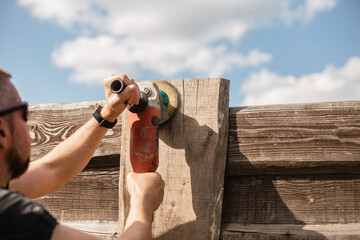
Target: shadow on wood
[[193, 153]]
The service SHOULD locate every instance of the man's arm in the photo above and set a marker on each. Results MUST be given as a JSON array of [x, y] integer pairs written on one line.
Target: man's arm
[[64, 232], [70, 157], [147, 192]]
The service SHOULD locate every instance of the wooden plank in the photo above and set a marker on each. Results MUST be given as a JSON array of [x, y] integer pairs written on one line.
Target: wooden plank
[[89, 202], [305, 199], [192, 151], [50, 124], [105, 230], [291, 232], [294, 139], [282, 139]]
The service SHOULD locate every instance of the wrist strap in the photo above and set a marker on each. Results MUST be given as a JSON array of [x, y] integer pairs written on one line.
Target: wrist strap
[[103, 122]]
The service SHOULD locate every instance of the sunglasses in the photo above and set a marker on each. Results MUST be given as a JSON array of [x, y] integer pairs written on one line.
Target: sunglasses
[[23, 106]]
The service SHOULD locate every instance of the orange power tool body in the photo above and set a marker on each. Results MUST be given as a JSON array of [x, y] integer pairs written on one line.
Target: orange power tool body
[[144, 120]]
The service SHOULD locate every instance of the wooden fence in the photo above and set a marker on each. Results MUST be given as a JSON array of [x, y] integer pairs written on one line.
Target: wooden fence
[[261, 172]]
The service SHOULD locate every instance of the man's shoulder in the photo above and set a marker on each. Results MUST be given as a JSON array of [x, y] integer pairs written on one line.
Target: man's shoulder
[[21, 215], [13, 203], [11, 199]]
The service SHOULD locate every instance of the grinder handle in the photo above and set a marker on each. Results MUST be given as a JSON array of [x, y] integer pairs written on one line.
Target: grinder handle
[[117, 86]]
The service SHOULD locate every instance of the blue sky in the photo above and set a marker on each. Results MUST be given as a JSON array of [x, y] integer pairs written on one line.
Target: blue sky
[[272, 51]]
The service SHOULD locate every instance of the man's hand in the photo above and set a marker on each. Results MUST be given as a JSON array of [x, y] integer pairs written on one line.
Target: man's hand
[[116, 103], [146, 188], [147, 192]]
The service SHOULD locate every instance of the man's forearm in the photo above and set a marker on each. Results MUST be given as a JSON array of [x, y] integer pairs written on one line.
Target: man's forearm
[[70, 157], [138, 223], [62, 164]]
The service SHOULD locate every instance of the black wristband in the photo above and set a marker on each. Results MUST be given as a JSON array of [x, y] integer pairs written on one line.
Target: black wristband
[[103, 122]]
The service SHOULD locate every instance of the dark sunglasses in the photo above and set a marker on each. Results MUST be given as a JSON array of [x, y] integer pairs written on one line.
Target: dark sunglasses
[[23, 106]]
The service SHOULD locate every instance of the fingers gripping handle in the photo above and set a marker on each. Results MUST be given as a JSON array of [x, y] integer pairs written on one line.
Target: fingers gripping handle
[[117, 86]]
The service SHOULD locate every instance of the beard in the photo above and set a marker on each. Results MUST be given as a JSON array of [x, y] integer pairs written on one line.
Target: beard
[[16, 165]]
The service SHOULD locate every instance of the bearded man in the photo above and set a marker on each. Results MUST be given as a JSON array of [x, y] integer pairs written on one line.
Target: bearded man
[[20, 179]]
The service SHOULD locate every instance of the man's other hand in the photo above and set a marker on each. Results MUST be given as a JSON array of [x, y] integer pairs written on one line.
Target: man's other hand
[[146, 189]]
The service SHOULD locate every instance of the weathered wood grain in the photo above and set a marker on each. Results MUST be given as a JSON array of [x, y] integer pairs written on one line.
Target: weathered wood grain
[[316, 146], [302, 199], [294, 139], [192, 153], [105, 230], [50, 124], [290, 232], [89, 202], [297, 138]]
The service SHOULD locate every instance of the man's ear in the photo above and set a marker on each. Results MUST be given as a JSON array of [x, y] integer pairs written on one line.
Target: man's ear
[[4, 133]]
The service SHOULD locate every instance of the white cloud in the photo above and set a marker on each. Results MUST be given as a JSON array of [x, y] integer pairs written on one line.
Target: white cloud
[[305, 12], [106, 54], [332, 84], [314, 6], [163, 36]]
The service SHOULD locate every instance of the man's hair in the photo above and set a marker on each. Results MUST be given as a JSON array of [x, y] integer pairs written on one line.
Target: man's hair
[[7, 96], [4, 74], [5, 89]]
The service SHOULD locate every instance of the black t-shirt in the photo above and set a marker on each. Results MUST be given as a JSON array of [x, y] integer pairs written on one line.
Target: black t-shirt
[[21, 218]]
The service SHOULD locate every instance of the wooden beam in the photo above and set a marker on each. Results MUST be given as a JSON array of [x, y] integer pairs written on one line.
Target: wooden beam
[[292, 172], [291, 231], [274, 139], [294, 139], [298, 199], [192, 153], [51, 124]]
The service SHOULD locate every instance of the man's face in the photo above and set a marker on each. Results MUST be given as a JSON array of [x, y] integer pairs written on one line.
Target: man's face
[[16, 164], [18, 154]]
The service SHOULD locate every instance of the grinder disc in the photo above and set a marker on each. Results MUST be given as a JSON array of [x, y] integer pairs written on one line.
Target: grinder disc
[[172, 95]]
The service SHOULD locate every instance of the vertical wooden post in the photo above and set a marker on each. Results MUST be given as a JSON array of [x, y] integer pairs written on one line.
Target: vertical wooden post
[[192, 149]]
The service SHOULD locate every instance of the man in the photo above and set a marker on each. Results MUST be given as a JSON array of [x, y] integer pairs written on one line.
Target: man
[[20, 218]]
